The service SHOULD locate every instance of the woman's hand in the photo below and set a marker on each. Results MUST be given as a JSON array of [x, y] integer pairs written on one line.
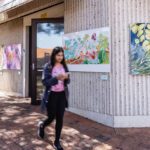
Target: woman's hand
[[62, 77], [66, 76]]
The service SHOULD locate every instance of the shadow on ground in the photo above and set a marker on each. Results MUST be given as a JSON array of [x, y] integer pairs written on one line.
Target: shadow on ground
[[18, 131]]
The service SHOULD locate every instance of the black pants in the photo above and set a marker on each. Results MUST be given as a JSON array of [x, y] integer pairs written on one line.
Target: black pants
[[56, 109]]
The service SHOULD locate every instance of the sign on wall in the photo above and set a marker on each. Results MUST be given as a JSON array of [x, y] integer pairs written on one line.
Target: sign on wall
[[12, 57], [140, 49], [88, 51]]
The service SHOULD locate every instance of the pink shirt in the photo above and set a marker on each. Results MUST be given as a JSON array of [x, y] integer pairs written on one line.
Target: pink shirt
[[60, 86]]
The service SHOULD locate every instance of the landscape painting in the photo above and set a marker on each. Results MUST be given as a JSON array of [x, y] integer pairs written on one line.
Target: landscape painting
[[139, 49], [88, 49], [12, 57]]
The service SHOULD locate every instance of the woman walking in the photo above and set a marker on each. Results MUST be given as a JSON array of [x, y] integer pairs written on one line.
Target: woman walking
[[55, 79]]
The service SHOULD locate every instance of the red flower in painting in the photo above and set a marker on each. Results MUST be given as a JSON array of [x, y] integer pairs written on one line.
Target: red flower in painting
[[94, 36]]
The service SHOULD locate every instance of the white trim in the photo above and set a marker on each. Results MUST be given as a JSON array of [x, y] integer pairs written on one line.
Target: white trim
[[102, 29], [114, 121], [25, 67], [100, 118], [4, 93], [131, 121], [89, 68]]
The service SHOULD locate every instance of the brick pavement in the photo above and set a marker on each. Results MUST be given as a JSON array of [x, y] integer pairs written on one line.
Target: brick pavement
[[18, 131]]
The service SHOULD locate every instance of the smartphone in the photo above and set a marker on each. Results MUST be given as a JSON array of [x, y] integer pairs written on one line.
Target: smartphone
[[68, 73]]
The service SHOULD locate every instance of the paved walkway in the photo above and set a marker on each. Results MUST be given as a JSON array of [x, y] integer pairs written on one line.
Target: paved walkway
[[18, 131]]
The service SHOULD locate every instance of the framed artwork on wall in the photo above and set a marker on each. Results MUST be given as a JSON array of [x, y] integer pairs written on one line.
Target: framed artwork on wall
[[12, 57], [139, 53], [88, 51]]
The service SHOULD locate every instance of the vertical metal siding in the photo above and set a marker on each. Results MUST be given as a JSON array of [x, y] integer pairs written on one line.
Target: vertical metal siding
[[87, 91], [130, 94], [124, 94]]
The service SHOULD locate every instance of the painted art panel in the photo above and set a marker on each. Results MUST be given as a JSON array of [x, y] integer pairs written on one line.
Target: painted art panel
[[12, 57], [139, 49], [88, 50]]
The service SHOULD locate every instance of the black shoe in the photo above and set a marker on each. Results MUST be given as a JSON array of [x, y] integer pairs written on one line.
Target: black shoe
[[41, 130], [57, 146]]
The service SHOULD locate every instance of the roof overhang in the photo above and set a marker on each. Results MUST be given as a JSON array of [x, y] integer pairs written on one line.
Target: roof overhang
[[6, 5], [20, 9]]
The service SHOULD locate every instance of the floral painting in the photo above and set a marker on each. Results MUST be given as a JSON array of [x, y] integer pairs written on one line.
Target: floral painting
[[140, 49], [90, 47], [12, 57]]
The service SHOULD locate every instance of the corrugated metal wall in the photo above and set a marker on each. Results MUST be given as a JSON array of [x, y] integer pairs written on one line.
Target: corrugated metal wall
[[87, 91], [124, 95], [130, 94]]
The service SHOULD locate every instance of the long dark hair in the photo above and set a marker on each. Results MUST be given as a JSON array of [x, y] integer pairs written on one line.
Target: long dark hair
[[55, 51]]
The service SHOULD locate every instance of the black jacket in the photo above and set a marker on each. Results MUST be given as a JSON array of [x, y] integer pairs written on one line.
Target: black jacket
[[49, 81]]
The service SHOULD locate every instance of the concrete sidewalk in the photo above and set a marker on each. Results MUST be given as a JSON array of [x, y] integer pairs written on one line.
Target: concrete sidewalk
[[18, 131]]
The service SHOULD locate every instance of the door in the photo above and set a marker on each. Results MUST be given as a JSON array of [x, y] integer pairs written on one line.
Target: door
[[46, 34], [30, 60]]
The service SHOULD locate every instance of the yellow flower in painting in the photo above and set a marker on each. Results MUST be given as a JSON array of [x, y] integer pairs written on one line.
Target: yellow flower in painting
[[140, 32], [142, 38], [146, 45], [137, 41], [148, 36], [147, 31], [147, 48], [141, 26], [148, 26], [134, 28]]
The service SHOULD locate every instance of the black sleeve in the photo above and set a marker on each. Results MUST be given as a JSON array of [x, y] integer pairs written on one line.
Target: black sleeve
[[68, 80]]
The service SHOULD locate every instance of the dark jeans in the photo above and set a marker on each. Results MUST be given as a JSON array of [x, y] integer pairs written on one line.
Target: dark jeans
[[56, 109]]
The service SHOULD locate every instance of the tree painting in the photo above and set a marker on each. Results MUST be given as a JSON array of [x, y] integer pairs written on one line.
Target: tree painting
[[87, 47], [140, 49]]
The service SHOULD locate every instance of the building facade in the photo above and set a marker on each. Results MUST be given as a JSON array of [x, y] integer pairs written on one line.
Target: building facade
[[122, 100]]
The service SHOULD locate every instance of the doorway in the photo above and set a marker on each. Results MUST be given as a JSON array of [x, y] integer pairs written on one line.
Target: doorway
[[46, 34]]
